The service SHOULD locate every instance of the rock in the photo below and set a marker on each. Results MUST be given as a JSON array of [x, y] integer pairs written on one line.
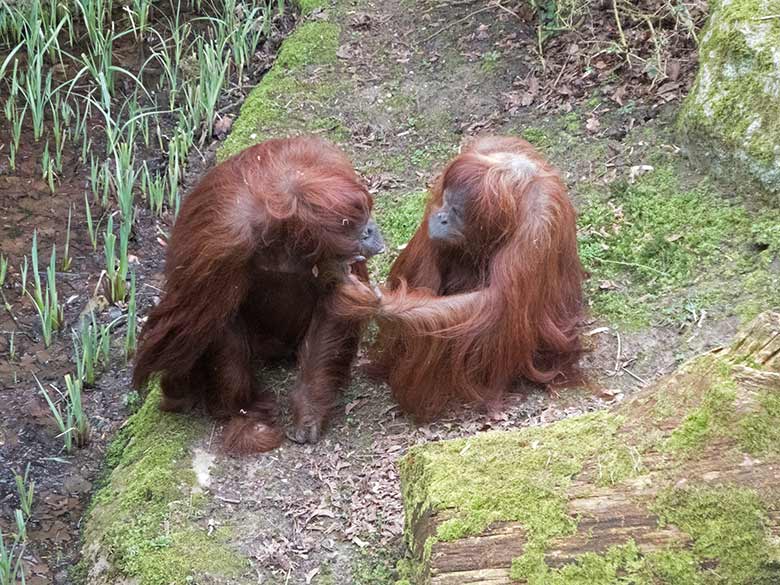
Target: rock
[[730, 122], [76, 484]]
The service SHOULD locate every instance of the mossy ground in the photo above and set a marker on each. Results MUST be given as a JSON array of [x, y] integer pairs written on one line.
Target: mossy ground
[[278, 104], [145, 522], [658, 246], [523, 476]]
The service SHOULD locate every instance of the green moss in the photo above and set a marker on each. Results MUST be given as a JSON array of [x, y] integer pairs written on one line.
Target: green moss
[[309, 6], [759, 432], [711, 418], [142, 518], [398, 217], [656, 232], [374, 566], [517, 476], [538, 137], [313, 43], [280, 102], [618, 565], [730, 530], [620, 307], [643, 242], [731, 119], [490, 61], [572, 122]]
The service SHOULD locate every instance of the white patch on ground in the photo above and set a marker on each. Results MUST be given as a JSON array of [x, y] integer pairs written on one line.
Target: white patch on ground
[[755, 125], [201, 465]]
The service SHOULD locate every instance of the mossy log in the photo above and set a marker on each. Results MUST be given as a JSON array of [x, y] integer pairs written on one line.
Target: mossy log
[[680, 484]]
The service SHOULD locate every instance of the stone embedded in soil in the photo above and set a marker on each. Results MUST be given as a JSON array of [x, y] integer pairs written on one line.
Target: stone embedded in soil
[[76, 484]]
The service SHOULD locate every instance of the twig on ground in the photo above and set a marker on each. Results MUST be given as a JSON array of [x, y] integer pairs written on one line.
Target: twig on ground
[[619, 355], [635, 377], [456, 22]]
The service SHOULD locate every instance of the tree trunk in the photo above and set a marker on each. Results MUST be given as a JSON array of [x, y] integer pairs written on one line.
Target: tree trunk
[[679, 484]]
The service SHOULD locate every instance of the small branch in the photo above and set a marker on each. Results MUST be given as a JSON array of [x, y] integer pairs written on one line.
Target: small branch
[[456, 22], [623, 40], [634, 376], [14, 319]]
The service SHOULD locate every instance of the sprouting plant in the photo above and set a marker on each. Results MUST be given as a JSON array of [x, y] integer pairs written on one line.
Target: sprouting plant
[[23, 272], [91, 230], [77, 418], [25, 488], [67, 261], [124, 179], [213, 70], [3, 269], [139, 16], [46, 301], [59, 412], [85, 350], [68, 413], [11, 568], [47, 166], [116, 265], [153, 188], [130, 338]]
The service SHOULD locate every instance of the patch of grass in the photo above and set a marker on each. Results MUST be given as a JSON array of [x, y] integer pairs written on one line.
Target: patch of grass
[[398, 217], [643, 242], [143, 515]]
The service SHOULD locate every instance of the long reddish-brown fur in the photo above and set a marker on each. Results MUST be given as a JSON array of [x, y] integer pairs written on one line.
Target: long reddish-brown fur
[[250, 269], [461, 323]]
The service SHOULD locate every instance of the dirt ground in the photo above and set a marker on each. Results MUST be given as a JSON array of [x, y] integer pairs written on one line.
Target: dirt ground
[[425, 75]]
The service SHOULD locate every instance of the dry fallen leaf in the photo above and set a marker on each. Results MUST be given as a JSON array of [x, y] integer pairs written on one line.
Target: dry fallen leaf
[[637, 171]]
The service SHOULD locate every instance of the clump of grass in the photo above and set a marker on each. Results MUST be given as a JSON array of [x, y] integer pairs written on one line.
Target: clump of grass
[[45, 300], [25, 489], [642, 241], [68, 413]]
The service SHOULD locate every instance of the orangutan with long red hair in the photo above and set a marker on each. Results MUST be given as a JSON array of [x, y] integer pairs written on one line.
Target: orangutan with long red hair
[[257, 252], [488, 290]]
